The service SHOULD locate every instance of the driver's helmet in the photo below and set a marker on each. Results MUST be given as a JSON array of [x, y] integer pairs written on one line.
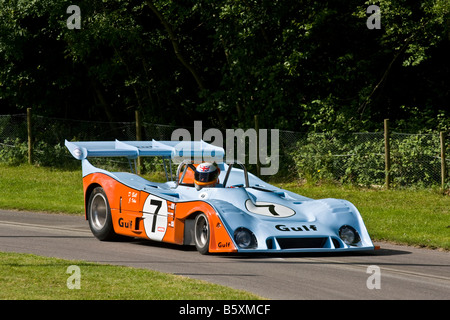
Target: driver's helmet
[[206, 175]]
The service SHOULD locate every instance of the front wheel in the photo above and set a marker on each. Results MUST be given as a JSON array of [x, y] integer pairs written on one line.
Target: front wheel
[[201, 233], [99, 215]]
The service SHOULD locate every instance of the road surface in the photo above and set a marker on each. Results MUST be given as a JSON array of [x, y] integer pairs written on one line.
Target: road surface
[[393, 272]]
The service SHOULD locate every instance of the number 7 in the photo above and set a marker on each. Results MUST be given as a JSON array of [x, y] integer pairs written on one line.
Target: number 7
[[158, 204]]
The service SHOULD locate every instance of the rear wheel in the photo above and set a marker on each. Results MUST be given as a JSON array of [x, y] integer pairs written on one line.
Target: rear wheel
[[201, 233], [99, 215]]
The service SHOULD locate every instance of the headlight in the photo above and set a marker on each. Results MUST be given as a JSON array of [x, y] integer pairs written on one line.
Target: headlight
[[245, 239], [349, 235]]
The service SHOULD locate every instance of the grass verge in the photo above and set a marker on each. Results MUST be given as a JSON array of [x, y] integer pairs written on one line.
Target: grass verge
[[31, 277], [32, 188]]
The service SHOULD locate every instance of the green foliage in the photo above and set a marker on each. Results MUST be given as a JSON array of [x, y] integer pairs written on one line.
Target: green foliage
[[53, 155], [413, 27], [308, 65], [13, 152], [359, 159], [416, 159]]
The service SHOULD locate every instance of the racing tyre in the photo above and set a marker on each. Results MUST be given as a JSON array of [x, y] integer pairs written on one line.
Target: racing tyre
[[201, 233], [99, 216]]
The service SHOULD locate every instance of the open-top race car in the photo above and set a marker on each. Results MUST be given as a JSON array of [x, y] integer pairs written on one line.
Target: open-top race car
[[216, 206]]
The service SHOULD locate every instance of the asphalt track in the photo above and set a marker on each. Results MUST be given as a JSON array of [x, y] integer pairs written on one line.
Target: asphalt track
[[393, 272]]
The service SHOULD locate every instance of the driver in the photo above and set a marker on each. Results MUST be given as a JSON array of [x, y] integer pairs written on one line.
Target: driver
[[206, 175]]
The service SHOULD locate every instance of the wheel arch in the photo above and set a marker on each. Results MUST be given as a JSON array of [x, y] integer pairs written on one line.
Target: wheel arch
[[87, 195], [189, 227], [220, 239]]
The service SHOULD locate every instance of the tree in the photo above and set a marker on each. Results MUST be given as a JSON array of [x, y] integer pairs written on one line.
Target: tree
[[413, 33], [298, 64]]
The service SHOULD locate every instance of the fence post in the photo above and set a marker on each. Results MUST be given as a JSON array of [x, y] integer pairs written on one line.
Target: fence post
[[138, 137], [387, 154], [30, 136], [443, 164], [258, 164]]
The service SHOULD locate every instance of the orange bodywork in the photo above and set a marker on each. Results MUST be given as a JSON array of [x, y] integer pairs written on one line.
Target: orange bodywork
[[128, 214]]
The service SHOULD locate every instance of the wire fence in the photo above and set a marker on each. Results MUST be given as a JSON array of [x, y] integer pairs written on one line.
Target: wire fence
[[359, 158], [356, 158]]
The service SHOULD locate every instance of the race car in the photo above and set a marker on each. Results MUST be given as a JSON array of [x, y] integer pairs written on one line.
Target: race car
[[217, 206]]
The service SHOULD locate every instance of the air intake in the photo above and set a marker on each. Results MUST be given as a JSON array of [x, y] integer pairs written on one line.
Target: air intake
[[301, 243]]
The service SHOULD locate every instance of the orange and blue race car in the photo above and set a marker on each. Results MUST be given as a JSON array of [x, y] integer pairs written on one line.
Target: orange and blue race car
[[218, 207]]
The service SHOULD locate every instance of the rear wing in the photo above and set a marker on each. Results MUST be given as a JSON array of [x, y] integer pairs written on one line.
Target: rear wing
[[177, 151]]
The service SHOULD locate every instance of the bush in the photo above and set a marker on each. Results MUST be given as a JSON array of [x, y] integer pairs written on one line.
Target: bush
[[359, 158], [13, 152], [49, 155], [415, 159]]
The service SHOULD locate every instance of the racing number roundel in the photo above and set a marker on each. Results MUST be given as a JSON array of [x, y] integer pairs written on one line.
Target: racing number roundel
[[269, 209], [155, 217]]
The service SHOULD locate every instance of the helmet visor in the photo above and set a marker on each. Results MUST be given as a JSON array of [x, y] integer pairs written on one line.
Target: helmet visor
[[206, 177]]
